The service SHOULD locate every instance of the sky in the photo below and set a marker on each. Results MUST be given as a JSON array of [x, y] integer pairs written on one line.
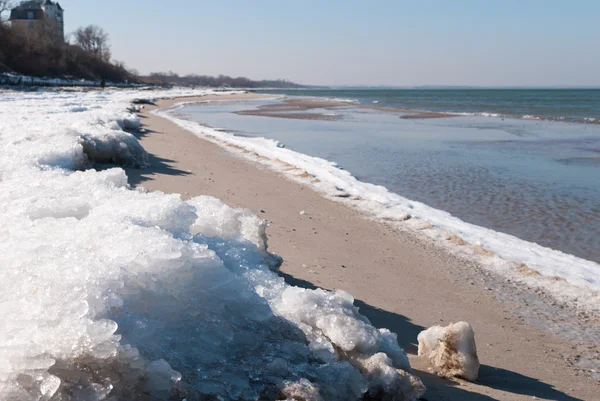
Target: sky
[[352, 42]]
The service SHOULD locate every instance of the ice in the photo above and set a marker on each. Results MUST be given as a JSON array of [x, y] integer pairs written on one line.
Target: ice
[[161, 378], [18, 79], [301, 390], [389, 345], [111, 293], [111, 149], [219, 220], [496, 251], [451, 350]]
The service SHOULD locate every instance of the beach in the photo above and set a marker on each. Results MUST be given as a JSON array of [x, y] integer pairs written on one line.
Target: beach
[[534, 180], [400, 281]]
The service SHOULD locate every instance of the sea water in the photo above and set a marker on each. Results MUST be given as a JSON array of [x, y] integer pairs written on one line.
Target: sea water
[[555, 104], [536, 179]]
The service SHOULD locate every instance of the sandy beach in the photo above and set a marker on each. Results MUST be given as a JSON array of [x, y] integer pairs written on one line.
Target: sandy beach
[[399, 282]]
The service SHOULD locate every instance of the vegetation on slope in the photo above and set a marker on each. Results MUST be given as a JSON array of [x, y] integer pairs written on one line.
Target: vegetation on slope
[[52, 59], [89, 57]]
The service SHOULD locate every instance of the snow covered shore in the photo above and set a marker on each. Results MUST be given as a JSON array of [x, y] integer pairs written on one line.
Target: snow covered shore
[[109, 292], [25, 80]]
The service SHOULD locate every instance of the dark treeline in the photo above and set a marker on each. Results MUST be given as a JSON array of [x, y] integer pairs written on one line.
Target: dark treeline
[[171, 78], [44, 58]]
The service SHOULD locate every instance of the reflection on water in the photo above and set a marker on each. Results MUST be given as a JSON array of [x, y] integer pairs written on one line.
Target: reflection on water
[[537, 180]]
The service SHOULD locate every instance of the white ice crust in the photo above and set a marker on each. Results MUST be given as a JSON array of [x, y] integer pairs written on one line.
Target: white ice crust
[[569, 278], [451, 350], [110, 293]]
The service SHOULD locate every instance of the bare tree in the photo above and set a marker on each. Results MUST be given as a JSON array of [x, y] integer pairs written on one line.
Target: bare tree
[[5, 7], [93, 39]]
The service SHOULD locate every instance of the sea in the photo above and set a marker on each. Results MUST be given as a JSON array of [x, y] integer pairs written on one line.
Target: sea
[[524, 162]]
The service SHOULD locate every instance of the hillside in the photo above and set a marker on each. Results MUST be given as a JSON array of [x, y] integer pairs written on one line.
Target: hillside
[[50, 59]]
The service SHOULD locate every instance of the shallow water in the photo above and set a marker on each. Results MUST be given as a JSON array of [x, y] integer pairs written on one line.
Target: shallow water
[[582, 105], [537, 180]]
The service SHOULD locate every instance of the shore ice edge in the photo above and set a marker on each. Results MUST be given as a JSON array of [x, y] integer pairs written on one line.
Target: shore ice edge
[[107, 293], [570, 279]]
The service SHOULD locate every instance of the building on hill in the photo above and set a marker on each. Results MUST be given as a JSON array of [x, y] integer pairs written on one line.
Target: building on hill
[[39, 20]]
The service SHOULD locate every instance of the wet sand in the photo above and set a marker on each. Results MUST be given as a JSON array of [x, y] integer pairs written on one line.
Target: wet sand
[[297, 108], [400, 281]]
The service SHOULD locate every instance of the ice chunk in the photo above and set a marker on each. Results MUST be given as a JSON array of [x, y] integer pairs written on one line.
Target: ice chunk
[[389, 345], [330, 314], [301, 390], [385, 381], [451, 350], [115, 147], [216, 219], [49, 386], [160, 378]]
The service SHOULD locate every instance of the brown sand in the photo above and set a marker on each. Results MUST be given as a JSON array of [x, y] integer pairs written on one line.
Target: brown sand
[[296, 109], [399, 282], [290, 108]]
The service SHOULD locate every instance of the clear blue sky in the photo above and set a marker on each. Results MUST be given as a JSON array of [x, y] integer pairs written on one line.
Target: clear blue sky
[[461, 42]]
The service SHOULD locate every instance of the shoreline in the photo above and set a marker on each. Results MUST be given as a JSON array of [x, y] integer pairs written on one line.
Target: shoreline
[[569, 279], [410, 114], [403, 282]]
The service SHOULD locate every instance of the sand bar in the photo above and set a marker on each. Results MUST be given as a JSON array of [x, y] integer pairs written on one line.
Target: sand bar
[[298, 107], [399, 282]]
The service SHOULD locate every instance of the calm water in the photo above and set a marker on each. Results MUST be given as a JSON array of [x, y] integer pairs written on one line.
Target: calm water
[[581, 105], [536, 179]]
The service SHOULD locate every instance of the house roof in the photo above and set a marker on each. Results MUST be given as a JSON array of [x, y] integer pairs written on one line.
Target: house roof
[[37, 4], [20, 11], [51, 3], [29, 5]]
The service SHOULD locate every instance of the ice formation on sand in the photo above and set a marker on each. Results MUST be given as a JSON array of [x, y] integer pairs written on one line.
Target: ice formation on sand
[[451, 350], [107, 293]]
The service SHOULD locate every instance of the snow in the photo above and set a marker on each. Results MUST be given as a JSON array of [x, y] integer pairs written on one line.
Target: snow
[[451, 350], [579, 279], [25, 80], [112, 293]]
